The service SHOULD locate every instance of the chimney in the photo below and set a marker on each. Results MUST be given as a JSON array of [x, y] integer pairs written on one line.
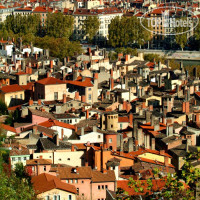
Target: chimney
[[153, 143], [39, 102], [82, 131], [83, 98], [159, 65], [96, 76], [156, 125], [127, 58], [94, 129], [166, 162], [62, 134], [186, 107], [162, 152], [34, 129], [150, 107], [64, 98], [87, 114], [131, 119], [30, 102], [51, 64], [76, 129], [72, 147], [111, 83], [57, 140], [130, 144], [188, 143], [76, 95]]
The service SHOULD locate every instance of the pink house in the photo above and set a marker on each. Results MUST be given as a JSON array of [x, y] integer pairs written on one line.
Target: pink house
[[34, 167], [90, 184]]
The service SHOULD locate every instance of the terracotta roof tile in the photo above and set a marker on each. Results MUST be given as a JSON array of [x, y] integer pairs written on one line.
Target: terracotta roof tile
[[51, 123], [39, 162], [46, 182], [123, 119], [79, 82], [8, 128], [50, 81], [11, 88]]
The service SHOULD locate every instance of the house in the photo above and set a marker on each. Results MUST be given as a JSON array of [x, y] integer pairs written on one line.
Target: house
[[35, 167], [50, 89], [12, 95], [10, 131], [47, 186], [64, 130], [86, 87], [19, 154], [90, 184]]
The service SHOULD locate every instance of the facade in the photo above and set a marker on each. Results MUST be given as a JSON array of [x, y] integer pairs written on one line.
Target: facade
[[105, 15], [12, 95], [48, 89]]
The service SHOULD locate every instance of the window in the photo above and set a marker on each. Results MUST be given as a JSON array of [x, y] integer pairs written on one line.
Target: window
[[89, 97], [99, 187], [102, 187], [19, 159], [76, 181], [111, 126], [89, 89], [24, 158], [15, 96], [47, 198], [82, 181], [20, 96], [99, 136], [121, 126], [106, 187], [55, 95], [110, 140], [77, 189], [71, 180], [67, 181], [44, 168], [13, 159], [70, 197], [56, 197]]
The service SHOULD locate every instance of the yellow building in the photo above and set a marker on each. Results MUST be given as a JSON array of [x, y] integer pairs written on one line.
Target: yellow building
[[12, 95], [47, 186]]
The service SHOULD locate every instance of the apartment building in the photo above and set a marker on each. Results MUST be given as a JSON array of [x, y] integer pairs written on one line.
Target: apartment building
[[105, 15]]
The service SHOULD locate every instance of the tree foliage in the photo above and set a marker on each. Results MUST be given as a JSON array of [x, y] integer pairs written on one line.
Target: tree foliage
[[175, 187], [3, 108], [126, 31], [91, 26], [59, 47], [59, 25]]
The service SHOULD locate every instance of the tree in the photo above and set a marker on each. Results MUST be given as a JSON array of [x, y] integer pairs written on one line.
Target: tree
[[181, 35], [91, 26], [58, 25], [12, 187], [3, 108], [175, 187], [126, 31]]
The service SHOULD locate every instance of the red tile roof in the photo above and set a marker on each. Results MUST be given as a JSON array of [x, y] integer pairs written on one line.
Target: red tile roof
[[50, 81], [123, 119], [11, 88], [8, 128], [51, 123], [79, 82], [15, 107], [46, 182], [158, 185], [39, 162], [43, 9]]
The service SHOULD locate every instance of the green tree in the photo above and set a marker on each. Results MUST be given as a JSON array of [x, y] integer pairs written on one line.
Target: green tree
[[3, 108], [126, 31], [58, 25], [12, 187], [175, 187], [91, 26], [181, 35]]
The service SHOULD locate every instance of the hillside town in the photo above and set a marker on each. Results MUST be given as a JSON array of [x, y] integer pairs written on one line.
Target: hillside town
[[90, 127]]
